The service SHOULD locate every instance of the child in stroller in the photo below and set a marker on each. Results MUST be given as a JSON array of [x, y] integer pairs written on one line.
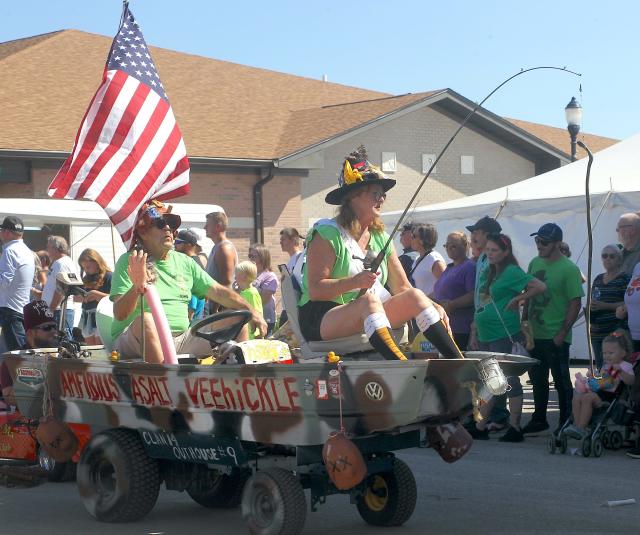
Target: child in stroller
[[592, 392]]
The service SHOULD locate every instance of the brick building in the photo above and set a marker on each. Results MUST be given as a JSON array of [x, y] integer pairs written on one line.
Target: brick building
[[265, 145]]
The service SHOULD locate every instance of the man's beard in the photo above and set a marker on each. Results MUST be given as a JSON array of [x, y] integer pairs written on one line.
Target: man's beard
[[46, 341]]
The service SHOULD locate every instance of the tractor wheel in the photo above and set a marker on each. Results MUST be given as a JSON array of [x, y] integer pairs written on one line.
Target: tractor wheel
[[117, 481], [389, 497], [273, 503]]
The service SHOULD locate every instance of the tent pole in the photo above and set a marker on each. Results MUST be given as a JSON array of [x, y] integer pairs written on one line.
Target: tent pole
[[113, 247]]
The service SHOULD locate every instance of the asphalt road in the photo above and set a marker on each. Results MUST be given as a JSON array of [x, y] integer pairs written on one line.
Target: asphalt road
[[496, 489]]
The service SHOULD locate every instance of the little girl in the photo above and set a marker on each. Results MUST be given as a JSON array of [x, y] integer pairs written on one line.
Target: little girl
[[246, 273], [591, 391]]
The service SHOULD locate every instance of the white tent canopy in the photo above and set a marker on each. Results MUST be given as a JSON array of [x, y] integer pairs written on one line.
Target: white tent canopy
[[557, 196], [89, 224]]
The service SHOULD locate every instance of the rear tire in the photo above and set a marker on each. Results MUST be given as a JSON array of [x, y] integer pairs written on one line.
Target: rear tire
[[597, 447], [390, 497], [273, 503], [117, 481], [551, 445], [563, 444], [225, 490], [616, 440]]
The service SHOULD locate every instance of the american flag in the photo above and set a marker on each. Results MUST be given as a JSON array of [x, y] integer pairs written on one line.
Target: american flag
[[129, 148]]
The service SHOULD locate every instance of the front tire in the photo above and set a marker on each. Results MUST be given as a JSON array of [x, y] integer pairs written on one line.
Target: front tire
[[273, 503], [117, 481], [390, 497]]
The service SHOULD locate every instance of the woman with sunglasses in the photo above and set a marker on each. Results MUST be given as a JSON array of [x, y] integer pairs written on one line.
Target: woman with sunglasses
[[338, 253], [503, 286], [454, 290], [607, 294], [96, 277]]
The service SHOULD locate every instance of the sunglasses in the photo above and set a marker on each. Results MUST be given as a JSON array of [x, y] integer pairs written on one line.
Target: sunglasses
[[161, 223], [542, 242], [47, 328], [609, 255], [379, 195]]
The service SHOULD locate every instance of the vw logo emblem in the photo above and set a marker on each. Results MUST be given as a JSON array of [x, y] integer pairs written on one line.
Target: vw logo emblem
[[374, 391]]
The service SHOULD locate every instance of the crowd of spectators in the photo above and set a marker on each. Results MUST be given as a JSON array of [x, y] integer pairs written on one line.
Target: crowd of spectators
[[492, 302]]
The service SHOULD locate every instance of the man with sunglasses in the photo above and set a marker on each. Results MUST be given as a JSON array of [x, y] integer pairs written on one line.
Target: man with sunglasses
[[176, 278], [552, 315], [41, 331]]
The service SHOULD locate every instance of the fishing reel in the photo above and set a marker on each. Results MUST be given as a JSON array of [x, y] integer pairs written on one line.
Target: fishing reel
[[368, 259]]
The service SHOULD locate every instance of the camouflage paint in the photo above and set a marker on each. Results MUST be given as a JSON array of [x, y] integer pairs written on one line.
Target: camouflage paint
[[297, 404]]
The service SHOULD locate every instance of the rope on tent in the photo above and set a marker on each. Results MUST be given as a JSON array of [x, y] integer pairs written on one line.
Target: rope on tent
[[87, 234], [502, 205]]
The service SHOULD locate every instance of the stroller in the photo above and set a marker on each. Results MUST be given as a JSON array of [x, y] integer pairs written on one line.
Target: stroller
[[611, 424]]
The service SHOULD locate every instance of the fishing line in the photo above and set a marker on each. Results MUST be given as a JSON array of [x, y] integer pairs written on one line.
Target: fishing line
[[376, 263]]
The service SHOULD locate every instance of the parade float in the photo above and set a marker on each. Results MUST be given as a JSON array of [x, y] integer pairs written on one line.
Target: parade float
[[255, 424]]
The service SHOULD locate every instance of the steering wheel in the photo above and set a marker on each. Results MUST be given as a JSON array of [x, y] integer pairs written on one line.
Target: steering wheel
[[237, 319]]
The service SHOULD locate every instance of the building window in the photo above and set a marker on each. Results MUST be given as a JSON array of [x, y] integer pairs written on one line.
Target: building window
[[467, 165], [15, 171], [389, 162], [427, 162]]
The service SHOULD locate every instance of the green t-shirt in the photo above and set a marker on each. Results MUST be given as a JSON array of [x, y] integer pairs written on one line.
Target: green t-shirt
[[178, 278], [340, 269], [252, 296], [504, 288], [547, 311]]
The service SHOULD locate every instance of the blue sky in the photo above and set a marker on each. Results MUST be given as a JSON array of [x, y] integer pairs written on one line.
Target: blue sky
[[397, 47]]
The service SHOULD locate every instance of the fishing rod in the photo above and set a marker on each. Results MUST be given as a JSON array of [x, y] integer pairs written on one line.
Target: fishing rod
[[380, 257], [587, 313]]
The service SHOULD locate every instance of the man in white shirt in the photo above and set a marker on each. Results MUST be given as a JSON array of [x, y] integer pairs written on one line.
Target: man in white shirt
[[17, 266], [58, 251]]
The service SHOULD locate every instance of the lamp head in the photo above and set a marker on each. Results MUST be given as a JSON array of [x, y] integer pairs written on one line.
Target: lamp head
[[573, 114]]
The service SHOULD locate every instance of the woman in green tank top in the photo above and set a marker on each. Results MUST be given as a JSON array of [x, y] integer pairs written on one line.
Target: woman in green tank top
[[334, 272]]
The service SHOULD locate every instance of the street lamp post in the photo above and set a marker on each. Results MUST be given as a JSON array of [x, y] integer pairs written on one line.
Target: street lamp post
[[573, 113]]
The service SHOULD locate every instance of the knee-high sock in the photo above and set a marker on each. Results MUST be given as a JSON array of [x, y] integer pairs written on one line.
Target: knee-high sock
[[378, 329], [434, 330]]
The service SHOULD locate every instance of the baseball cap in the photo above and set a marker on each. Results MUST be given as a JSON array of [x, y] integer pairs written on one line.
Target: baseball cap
[[35, 314], [488, 224], [187, 236], [549, 232], [13, 223]]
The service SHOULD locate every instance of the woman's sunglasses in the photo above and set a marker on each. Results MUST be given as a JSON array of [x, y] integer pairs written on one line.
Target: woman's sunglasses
[[609, 255], [542, 242]]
